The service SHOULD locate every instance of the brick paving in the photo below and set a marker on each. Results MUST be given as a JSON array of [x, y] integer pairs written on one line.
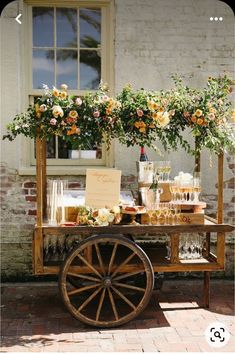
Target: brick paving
[[34, 320]]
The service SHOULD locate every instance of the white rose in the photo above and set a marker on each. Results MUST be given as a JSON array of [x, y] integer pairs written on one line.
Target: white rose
[[57, 111], [64, 87], [163, 119]]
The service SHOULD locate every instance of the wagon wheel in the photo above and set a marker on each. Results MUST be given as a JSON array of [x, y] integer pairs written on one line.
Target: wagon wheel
[[107, 296]]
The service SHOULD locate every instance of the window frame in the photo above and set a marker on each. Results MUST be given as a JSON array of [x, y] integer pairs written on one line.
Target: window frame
[[60, 166]]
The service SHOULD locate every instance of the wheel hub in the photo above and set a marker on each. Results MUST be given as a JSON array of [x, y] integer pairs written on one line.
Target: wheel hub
[[107, 282]]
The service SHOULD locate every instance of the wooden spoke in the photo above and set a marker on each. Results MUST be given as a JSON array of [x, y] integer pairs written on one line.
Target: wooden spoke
[[112, 257], [123, 276], [129, 286], [121, 265], [89, 265], [100, 258], [88, 277], [100, 305], [113, 305], [84, 288], [104, 276], [85, 303], [124, 298]]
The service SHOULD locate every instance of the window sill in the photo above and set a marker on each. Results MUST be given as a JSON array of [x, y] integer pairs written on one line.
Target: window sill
[[61, 170]]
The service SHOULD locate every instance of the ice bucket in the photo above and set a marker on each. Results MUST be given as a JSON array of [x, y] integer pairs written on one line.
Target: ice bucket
[[145, 171], [150, 197]]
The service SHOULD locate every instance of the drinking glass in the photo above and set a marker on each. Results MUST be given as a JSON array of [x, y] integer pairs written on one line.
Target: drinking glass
[[196, 186], [159, 169], [167, 170], [173, 190], [177, 214]]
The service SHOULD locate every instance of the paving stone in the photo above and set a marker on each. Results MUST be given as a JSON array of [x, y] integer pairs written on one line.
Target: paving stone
[[39, 323]]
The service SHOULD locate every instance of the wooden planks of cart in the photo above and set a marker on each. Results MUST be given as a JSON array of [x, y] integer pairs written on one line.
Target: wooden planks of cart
[[108, 279]]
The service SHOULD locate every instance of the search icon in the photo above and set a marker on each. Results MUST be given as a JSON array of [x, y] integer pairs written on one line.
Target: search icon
[[217, 334]]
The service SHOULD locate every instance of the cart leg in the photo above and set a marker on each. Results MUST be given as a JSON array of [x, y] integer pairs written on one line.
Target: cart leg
[[207, 289]]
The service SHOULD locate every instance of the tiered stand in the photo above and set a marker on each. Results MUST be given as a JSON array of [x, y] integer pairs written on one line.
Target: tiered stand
[[108, 279]]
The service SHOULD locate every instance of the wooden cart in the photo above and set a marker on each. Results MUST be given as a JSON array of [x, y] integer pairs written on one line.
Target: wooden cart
[[108, 279]]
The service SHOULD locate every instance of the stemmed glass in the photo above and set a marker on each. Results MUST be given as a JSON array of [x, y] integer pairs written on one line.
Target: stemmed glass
[[196, 186], [167, 170], [174, 190], [159, 169]]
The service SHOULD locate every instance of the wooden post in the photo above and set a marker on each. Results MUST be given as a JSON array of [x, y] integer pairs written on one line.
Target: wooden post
[[39, 180], [38, 235], [44, 178], [220, 251], [207, 289], [174, 248], [220, 188]]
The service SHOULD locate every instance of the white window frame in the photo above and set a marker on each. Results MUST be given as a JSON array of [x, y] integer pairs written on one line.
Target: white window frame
[[64, 166]]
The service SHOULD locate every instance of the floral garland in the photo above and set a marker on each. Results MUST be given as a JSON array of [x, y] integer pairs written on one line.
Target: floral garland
[[134, 117]]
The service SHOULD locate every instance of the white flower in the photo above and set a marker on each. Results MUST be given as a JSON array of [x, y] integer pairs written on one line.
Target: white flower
[[116, 209], [163, 119], [43, 108], [64, 87], [104, 217], [57, 111]]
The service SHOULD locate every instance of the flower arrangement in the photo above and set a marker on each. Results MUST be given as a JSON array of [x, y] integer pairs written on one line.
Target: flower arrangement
[[83, 122], [100, 217], [144, 114], [206, 112], [134, 117]]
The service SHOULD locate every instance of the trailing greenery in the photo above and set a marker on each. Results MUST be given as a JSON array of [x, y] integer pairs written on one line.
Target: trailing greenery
[[134, 117]]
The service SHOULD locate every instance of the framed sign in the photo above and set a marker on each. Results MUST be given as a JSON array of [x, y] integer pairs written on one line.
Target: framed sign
[[102, 188]]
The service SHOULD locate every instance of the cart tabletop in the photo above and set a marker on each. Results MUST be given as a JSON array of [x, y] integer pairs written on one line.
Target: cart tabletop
[[210, 225]]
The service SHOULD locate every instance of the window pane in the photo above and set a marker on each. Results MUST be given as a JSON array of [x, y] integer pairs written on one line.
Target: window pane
[[43, 68], [43, 27], [62, 148], [90, 27], [67, 68], [90, 69], [66, 27], [51, 148]]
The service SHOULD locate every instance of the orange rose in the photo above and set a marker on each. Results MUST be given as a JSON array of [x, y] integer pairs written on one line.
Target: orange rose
[[142, 130], [200, 121], [137, 125], [193, 119]]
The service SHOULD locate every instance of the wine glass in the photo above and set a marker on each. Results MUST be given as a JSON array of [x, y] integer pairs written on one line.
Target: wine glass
[[159, 170], [196, 186], [167, 170]]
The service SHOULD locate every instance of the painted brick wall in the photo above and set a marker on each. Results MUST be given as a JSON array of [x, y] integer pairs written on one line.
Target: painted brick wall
[[153, 38]]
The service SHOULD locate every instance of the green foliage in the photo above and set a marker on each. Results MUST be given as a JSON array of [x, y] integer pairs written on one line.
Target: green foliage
[[135, 117]]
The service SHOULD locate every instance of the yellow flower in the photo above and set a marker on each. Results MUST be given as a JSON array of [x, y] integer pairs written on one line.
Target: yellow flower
[[198, 113], [108, 111], [142, 125], [155, 115], [142, 130], [55, 92], [63, 95], [161, 109], [150, 104], [73, 114], [212, 110]]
